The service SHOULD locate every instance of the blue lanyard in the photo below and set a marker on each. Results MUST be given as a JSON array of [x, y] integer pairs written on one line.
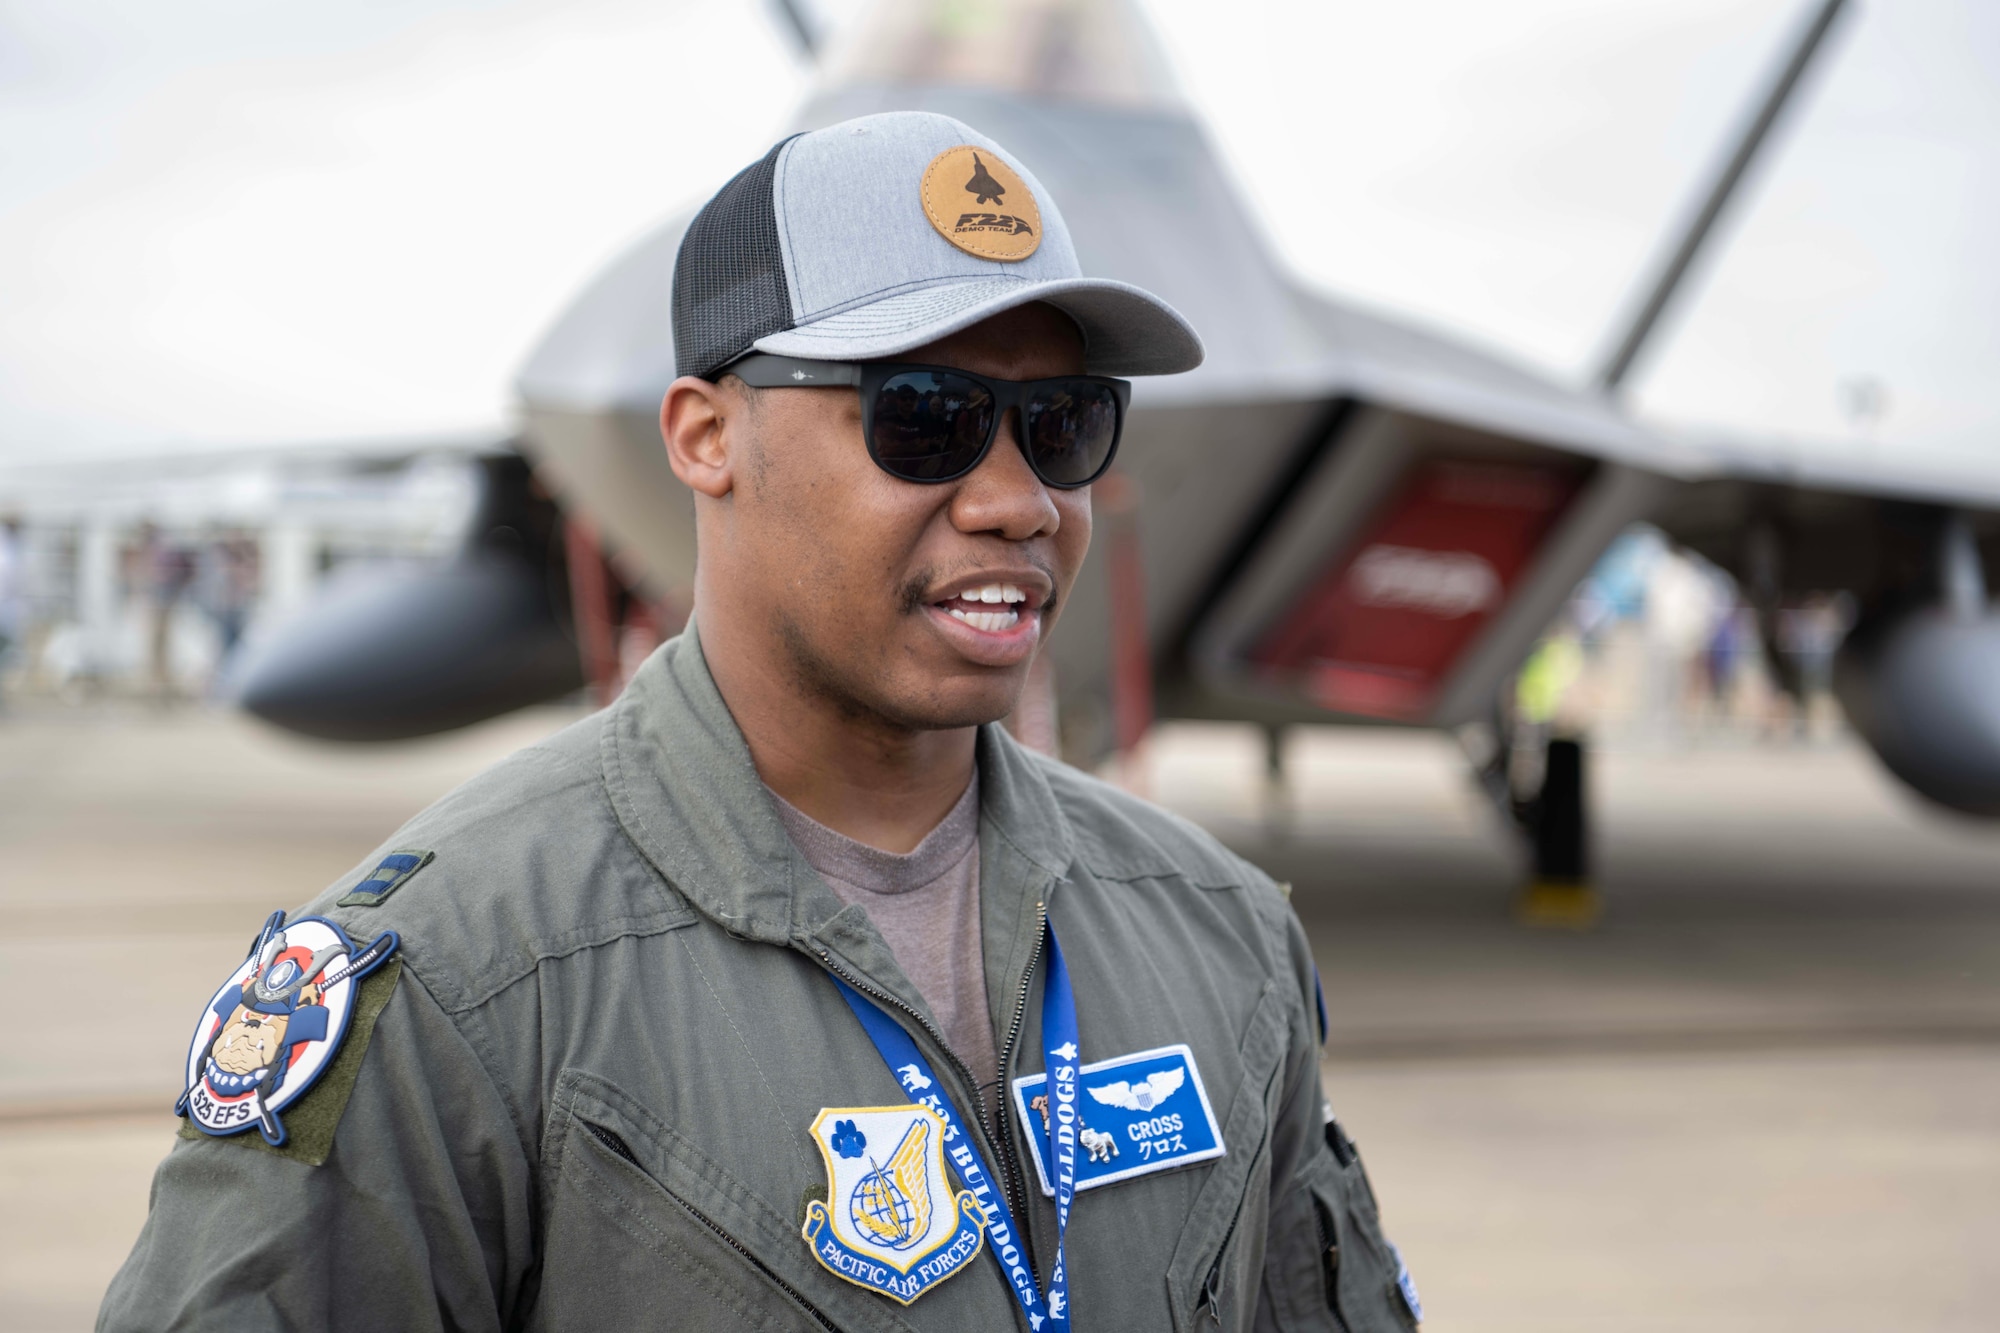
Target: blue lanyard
[[913, 1071]]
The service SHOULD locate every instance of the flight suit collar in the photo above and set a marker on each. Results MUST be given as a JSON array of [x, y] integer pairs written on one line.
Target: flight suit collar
[[682, 783]]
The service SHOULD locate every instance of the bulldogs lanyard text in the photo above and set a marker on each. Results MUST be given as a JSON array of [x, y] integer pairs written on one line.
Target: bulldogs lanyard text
[[1009, 1243]]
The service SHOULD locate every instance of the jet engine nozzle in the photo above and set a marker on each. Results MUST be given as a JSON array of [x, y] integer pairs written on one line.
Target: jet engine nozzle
[[1922, 686], [391, 655]]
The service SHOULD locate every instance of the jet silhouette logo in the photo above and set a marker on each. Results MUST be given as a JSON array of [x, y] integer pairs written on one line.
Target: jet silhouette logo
[[982, 184], [1004, 223]]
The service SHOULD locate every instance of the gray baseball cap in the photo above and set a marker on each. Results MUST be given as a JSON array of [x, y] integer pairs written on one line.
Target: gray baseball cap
[[881, 234]]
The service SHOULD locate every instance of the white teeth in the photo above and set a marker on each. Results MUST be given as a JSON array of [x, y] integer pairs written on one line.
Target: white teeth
[[990, 621], [994, 592], [1006, 595]]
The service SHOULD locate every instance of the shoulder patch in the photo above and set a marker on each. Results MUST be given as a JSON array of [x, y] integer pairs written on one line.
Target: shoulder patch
[[311, 1121], [394, 872], [279, 1025]]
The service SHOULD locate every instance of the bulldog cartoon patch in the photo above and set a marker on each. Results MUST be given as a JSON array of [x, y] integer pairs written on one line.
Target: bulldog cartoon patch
[[275, 1025]]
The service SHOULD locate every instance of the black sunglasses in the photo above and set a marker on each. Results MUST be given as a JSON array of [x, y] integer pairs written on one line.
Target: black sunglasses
[[935, 424]]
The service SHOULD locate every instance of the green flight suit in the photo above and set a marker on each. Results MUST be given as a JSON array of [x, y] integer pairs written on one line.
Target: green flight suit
[[586, 1102]]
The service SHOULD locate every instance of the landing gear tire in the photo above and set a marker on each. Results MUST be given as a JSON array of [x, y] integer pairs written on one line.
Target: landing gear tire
[[1559, 891]]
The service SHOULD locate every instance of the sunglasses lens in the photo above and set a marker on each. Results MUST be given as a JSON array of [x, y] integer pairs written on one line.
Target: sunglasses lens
[[930, 425], [1072, 429]]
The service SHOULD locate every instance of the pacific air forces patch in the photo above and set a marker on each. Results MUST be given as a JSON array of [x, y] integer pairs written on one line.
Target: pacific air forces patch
[[275, 1025], [890, 1221]]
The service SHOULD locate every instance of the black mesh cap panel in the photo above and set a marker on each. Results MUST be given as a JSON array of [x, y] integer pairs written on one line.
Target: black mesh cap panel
[[729, 280]]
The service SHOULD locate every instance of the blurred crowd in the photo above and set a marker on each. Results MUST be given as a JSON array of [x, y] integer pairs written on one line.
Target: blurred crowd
[[146, 577], [13, 591], [182, 603], [216, 576], [1659, 645]]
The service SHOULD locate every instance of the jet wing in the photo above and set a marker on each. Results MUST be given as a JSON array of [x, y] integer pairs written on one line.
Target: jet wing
[[1889, 471]]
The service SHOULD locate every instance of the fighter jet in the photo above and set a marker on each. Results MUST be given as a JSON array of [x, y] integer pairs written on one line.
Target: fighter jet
[[1340, 517]]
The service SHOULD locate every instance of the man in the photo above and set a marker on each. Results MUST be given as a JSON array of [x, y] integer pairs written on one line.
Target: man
[[789, 992]]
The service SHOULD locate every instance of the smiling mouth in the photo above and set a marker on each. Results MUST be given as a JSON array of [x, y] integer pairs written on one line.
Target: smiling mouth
[[994, 607]]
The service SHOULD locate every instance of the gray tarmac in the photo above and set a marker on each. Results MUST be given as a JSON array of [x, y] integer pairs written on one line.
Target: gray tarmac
[[1763, 1093]]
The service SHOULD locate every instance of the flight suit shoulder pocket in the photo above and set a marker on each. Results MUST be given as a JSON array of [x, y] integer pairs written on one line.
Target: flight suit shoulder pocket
[[1334, 1251]]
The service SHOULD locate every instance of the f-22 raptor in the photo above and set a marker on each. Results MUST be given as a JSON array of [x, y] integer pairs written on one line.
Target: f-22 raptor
[[1341, 517]]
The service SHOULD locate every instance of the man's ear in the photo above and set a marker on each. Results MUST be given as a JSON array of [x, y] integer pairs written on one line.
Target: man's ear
[[695, 421]]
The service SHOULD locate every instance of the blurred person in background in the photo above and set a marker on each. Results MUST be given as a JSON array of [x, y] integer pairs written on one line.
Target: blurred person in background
[[227, 586], [162, 570], [1721, 662], [1810, 634], [1680, 613], [13, 598]]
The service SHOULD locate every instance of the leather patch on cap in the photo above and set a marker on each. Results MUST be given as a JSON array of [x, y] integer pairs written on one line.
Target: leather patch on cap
[[980, 205]]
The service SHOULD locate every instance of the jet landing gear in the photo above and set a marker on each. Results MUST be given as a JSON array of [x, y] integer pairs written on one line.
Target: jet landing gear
[[1551, 820], [1559, 892]]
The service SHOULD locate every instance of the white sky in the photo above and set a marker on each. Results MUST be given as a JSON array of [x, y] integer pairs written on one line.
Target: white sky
[[229, 221]]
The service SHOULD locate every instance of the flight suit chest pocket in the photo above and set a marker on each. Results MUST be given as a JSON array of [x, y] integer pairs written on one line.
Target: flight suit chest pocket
[[641, 1229], [1212, 1282]]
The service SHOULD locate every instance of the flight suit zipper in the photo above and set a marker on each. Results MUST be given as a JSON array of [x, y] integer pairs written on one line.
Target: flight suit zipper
[[1329, 1245], [1210, 1297], [1011, 1181], [617, 1147], [993, 1129]]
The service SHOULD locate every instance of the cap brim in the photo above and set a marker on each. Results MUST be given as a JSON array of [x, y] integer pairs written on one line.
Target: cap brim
[[1126, 330]]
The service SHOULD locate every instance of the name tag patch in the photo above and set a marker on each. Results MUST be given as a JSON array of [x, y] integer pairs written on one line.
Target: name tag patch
[[1138, 1114]]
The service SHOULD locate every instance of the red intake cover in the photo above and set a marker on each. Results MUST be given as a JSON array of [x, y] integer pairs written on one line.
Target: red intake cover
[[1379, 633]]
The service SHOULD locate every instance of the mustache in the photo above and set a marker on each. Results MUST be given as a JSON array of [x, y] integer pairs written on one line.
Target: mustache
[[911, 598]]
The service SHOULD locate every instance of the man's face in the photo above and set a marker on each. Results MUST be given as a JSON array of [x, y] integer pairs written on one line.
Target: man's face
[[921, 605]]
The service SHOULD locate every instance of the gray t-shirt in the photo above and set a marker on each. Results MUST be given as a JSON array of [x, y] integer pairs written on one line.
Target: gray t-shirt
[[926, 905]]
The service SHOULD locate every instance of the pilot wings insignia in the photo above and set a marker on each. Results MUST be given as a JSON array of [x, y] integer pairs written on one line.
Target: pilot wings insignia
[[1158, 1086]]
